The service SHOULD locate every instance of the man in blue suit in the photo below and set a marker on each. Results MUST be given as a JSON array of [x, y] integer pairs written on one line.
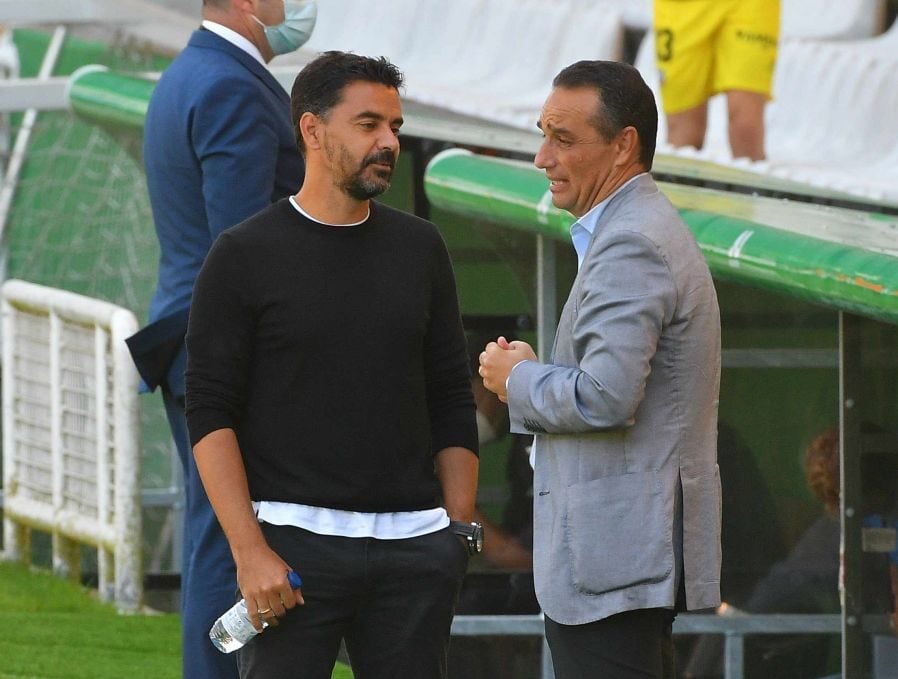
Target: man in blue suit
[[219, 146]]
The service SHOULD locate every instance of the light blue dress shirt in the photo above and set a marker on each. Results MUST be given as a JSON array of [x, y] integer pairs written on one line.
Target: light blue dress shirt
[[583, 228]]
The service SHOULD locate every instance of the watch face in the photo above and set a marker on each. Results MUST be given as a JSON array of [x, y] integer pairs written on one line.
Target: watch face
[[478, 538]]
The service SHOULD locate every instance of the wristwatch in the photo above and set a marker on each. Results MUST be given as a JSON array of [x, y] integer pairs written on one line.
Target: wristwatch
[[471, 532]]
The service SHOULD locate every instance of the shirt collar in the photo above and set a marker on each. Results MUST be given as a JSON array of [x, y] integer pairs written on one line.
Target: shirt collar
[[583, 228], [305, 214], [235, 39]]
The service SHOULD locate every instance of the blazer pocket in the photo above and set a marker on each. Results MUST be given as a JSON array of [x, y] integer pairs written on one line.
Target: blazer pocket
[[618, 532]]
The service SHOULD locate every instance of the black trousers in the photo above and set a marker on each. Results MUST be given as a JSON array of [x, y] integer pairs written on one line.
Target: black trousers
[[391, 600], [631, 645]]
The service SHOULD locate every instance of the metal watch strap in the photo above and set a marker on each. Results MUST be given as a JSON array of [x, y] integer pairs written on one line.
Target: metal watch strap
[[467, 531]]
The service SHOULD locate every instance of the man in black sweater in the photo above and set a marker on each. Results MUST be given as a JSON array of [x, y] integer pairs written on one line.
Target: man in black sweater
[[329, 403]]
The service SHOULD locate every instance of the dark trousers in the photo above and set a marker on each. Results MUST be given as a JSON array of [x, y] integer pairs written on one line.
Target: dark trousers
[[208, 574], [391, 600], [631, 645]]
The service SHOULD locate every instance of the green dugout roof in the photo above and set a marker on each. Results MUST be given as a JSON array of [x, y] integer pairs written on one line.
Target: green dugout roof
[[841, 258], [110, 99], [835, 257]]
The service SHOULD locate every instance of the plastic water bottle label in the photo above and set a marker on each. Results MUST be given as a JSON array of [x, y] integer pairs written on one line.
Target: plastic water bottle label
[[232, 630], [237, 624]]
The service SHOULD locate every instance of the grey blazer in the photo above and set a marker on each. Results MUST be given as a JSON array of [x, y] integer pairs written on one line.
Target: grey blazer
[[626, 484]]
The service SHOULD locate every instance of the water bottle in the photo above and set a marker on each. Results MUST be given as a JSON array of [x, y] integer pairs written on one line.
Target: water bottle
[[234, 629]]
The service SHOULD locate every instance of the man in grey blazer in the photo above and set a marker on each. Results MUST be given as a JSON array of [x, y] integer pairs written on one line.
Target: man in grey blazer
[[626, 484]]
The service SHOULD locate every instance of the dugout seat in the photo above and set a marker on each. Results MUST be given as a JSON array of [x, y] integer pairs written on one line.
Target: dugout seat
[[506, 75], [487, 58], [369, 28], [635, 14], [831, 19]]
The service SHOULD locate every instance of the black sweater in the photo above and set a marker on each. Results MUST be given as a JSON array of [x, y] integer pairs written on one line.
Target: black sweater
[[336, 354]]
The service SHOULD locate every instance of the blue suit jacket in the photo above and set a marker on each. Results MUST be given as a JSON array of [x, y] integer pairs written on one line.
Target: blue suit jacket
[[219, 146]]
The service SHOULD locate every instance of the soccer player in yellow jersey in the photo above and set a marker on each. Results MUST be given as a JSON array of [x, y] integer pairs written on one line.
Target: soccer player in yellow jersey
[[709, 46]]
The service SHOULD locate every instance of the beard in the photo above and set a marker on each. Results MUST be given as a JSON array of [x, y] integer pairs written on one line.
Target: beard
[[367, 182]]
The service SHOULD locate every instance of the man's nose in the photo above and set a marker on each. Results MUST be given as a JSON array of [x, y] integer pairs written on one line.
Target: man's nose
[[389, 139], [543, 157]]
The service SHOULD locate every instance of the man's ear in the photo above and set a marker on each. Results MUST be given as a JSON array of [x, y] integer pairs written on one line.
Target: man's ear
[[627, 146], [310, 127], [246, 6]]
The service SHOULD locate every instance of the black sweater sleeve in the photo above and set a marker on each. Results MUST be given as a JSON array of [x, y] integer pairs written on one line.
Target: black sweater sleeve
[[219, 342]]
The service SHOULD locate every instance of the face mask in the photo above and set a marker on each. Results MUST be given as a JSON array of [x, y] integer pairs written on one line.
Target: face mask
[[299, 20]]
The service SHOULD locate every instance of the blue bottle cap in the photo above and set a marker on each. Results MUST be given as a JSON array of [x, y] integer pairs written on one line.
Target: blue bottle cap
[[294, 579]]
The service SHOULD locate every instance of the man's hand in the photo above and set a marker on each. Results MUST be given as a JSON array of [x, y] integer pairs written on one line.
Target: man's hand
[[497, 361], [262, 578]]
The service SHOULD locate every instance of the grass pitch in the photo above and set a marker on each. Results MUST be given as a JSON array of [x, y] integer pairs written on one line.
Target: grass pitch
[[54, 629]]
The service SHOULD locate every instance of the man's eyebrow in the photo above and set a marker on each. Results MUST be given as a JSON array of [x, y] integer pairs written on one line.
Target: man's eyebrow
[[557, 131], [368, 114], [374, 115]]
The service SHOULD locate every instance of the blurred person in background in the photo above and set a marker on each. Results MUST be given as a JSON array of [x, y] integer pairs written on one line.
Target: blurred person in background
[[705, 47], [510, 543], [747, 501], [219, 146], [806, 581]]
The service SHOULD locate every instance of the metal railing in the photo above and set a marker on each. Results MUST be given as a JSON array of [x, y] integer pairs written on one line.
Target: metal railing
[[734, 629], [71, 457]]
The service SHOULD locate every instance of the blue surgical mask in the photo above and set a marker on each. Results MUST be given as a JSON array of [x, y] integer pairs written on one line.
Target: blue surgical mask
[[299, 20]]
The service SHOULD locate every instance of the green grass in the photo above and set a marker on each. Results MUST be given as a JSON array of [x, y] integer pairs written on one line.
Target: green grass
[[54, 629]]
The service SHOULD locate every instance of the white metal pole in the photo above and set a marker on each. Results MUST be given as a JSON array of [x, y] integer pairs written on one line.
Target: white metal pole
[[17, 158], [105, 518], [12, 534], [126, 427]]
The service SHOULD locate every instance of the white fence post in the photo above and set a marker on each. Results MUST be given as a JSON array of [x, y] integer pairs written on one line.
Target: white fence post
[[71, 453], [128, 526]]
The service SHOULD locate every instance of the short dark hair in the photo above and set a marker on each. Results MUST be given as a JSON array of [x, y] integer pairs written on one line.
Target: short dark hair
[[625, 99], [319, 85]]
